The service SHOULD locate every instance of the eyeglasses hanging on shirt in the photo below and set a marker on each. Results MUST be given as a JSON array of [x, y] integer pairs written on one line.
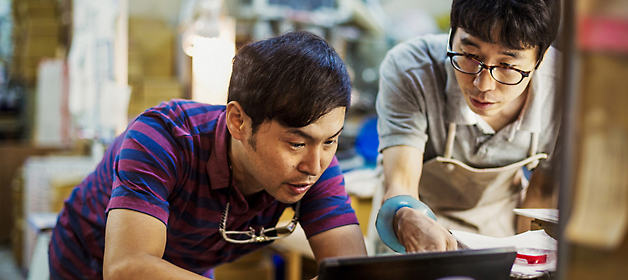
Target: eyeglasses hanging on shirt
[[249, 236]]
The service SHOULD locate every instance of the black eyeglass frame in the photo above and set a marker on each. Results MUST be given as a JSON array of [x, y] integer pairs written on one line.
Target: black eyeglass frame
[[451, 54], [281, 232]]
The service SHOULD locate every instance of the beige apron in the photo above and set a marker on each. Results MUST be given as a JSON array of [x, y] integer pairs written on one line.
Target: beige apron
[[472, 199], [465, 198]]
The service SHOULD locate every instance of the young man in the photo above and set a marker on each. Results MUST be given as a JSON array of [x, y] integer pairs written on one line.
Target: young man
[[461, 115], [190, 186]]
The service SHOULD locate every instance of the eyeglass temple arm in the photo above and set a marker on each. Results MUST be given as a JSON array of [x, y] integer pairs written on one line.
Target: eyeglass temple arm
[[293, 223], [250, 232]]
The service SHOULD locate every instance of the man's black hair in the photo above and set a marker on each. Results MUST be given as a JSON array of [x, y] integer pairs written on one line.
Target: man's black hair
[[294, 78], [514, 24]]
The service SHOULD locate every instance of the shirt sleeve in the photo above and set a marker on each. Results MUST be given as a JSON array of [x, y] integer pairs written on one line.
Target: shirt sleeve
[[327, 205], [551, 112], [146, 168], [400, 102], [553, 146]]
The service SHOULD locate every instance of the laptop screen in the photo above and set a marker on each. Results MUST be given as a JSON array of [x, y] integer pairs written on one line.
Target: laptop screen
[[484, 264]]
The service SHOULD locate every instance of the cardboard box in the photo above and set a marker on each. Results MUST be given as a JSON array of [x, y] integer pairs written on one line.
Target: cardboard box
[[257, 265], [37, 33], [34, 8], [62, 187], [39, 12], [41, 27], [157, 90], [151, 91], [17, 196], [13, 156], [154, 40], [362, 207], [40, 47], [17, 241], [136, 64], [158, 66]]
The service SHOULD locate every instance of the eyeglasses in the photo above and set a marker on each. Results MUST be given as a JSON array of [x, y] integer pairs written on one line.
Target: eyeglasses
[[250, 236], [468, 64]]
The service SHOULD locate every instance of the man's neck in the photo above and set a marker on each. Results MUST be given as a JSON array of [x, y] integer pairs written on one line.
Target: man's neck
[[508, 114], [237, 170]]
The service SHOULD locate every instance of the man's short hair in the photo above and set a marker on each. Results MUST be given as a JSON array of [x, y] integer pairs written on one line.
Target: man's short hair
[[294, 78], [515, 24]]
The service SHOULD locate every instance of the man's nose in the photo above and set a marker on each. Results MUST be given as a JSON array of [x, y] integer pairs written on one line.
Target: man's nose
[[311, 163], [484, 81]]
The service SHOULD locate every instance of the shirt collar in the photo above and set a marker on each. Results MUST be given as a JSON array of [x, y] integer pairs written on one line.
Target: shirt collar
[[218, 163]]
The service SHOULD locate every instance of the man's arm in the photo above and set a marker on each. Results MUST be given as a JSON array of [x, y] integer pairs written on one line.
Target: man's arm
[[542, 193], [134, 246], [402, 171], [415, 231], [336, 242]]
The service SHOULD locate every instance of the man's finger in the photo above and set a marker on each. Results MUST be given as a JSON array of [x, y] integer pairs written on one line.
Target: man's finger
[[452, 244], [440, 245]]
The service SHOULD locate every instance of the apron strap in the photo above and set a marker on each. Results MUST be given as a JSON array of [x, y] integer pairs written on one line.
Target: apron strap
[[449, 145], [534, 145]]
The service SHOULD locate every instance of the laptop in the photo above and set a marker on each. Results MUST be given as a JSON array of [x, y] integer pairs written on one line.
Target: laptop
[[484, 264]]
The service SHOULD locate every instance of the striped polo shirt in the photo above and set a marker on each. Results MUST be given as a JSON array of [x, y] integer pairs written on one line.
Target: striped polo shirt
[[171, 163]]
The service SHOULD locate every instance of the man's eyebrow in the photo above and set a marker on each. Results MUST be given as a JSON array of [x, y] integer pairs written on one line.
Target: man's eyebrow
[[513, 54], [468, 42], [337, 133], [310, 137]]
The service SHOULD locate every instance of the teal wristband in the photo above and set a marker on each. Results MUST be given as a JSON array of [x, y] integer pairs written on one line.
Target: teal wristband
[[386, 214]]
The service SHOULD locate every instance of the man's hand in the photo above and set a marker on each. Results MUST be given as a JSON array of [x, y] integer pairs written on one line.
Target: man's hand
[[419, 233], [415, 231]]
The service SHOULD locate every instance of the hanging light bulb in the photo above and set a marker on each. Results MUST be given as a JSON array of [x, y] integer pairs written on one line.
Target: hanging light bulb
[[210, 40], [206, 23]]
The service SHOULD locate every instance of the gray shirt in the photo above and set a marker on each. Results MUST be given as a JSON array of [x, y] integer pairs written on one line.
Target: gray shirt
[[419, 96]]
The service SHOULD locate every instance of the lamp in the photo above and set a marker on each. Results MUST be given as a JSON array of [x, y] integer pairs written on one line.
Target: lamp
[[210, 40]]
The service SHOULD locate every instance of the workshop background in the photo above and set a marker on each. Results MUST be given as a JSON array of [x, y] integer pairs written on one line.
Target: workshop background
[[73, 73]]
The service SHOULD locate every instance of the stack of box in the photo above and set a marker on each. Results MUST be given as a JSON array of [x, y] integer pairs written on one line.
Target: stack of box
[[39, 194], [12, 219], [151, 64], [37, 34]]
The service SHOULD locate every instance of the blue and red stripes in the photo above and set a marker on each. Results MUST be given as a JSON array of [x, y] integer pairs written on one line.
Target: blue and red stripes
[[171, 163]]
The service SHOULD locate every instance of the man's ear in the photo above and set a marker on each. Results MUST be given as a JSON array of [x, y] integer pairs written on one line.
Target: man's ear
[[237, 120], [538, 64]]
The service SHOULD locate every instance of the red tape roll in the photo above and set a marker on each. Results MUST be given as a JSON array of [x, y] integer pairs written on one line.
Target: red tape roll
[[533, 259]]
